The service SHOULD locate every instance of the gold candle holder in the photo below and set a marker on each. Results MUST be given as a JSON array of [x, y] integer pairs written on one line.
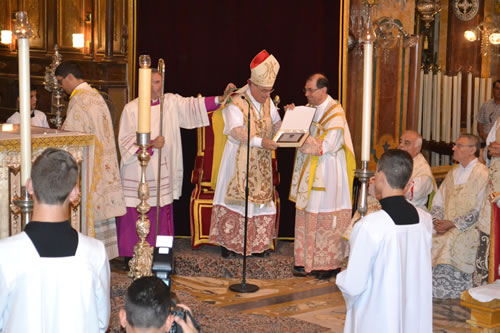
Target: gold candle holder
[[140, 264]]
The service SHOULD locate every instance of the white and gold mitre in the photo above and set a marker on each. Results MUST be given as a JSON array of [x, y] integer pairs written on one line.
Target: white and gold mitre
[[264, 69]]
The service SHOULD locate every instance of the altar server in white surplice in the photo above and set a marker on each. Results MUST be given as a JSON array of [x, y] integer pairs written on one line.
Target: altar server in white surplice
[[38, 118], [52, 278], [387, 285]]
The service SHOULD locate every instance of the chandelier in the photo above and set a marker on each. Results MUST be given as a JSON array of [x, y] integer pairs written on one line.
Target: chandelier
[[488, 33]]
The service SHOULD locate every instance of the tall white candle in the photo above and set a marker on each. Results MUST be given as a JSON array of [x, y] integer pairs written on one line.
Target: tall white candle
[[489, 86], [475, 105], [446, 108], [420, 101], [482, 94], [144, 125], [459, 104], [469, 102], [454, 107], [435, 114], [448, 111], [428, 108], [24, 107], [367, 101], [438, 110]]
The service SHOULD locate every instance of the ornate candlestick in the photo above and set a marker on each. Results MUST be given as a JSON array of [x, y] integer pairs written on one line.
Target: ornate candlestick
[[23, 31], [363, 174], [52, 85], [364, 177], [140, 265]]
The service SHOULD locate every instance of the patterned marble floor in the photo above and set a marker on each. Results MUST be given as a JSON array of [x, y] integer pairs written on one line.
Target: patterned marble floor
[[305, 299], [204, 277]]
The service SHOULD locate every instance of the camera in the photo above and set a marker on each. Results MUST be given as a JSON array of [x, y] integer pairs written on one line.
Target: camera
[[163, 259], [183, 314]]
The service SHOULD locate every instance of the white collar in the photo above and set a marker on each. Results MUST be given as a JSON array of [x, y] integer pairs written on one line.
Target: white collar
[[468, 166]]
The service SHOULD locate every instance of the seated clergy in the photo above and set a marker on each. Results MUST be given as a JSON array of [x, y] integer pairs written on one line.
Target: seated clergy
[[52, 278], [422, 181], [420, 185], [455, 211]]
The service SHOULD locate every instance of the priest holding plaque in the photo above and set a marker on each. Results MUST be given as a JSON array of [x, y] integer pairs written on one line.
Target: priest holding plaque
[[322, 184], [250, 104]]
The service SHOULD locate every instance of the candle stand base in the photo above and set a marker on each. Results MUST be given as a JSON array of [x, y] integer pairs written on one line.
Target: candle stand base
[[364, 176]]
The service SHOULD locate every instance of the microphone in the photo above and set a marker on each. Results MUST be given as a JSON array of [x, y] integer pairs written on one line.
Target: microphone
[[248, 102]]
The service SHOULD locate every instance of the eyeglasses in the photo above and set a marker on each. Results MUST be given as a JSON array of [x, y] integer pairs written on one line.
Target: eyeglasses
[[460, 145], [60, 81], [262, 90], [309, 90]]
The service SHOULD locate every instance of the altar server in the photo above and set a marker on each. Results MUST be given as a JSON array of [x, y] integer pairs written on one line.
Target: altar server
[[387, 285], [52, 278], [38, 118]]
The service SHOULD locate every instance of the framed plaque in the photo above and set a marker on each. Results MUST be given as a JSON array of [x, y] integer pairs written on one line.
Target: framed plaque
[[291, 138], [295, 127]]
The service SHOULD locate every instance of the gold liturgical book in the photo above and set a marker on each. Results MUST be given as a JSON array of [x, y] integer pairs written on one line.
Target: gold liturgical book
[[295, 127]]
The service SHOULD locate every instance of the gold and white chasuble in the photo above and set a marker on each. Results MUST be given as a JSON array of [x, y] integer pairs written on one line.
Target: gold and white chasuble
[[88, 113], [321, 189], [458, 246], [228, 213]]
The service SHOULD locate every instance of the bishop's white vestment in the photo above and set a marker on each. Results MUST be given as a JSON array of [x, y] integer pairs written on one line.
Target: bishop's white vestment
[[227, 223]]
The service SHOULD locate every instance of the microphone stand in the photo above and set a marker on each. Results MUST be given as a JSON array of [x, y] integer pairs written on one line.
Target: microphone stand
[[245, 287]]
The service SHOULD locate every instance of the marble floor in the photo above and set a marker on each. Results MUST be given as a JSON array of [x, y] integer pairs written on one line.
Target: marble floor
[[305, 299], [295, 304]]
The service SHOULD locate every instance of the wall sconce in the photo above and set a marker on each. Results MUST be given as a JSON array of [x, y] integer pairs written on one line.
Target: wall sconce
[[78, 41], [488, 32], [6, 37]]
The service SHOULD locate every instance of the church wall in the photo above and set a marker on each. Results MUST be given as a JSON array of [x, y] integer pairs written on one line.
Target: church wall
[[206, 44], [53, 22], [390, 80]]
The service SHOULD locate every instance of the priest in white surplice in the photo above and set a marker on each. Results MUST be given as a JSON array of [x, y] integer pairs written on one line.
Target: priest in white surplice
[[89, 113], [387, 285], [178, 112], [456, 212], [321, 185]]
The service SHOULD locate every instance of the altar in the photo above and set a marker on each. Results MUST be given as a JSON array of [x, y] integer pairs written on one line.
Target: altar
[[80, 146]]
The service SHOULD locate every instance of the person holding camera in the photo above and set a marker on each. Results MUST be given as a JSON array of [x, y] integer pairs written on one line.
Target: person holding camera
[[149, 307]]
